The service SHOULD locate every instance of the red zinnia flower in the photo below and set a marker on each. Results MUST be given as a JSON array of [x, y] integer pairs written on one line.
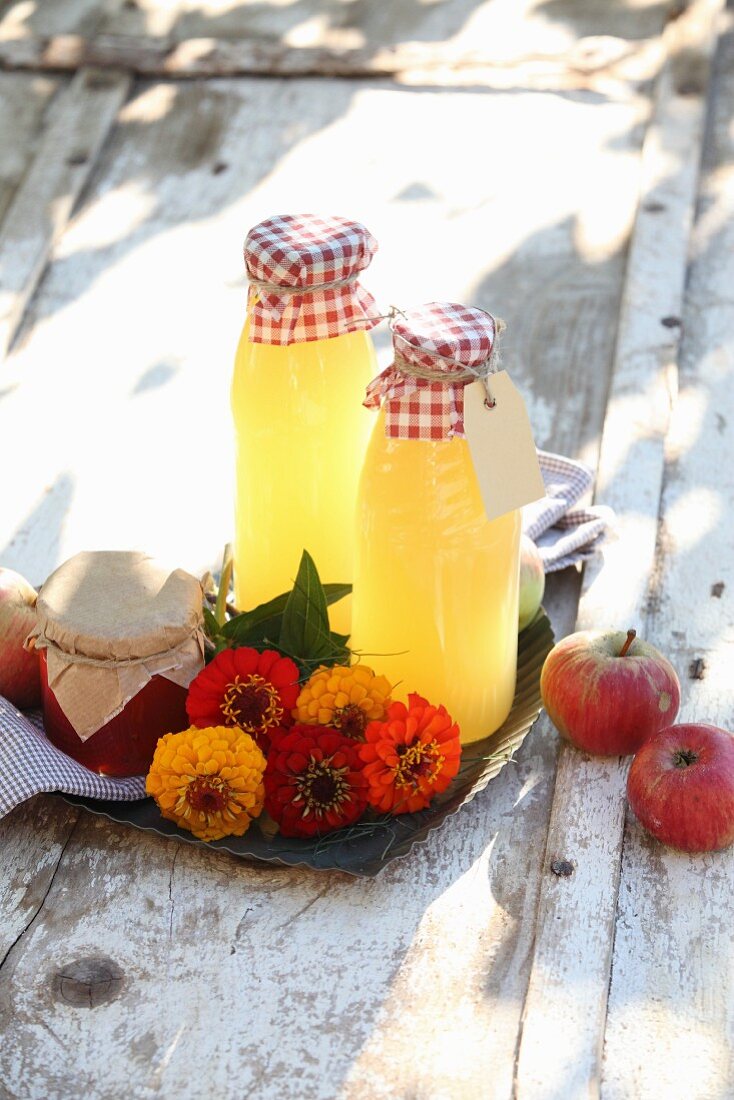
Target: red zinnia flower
[[410, 757], [245, 688], [313, 781]]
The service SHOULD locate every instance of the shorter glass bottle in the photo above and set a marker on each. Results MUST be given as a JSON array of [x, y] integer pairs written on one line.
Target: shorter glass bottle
[[435, 603]]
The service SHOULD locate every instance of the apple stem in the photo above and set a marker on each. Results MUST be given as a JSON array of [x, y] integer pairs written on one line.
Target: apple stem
[[631, 635], [684, 758]]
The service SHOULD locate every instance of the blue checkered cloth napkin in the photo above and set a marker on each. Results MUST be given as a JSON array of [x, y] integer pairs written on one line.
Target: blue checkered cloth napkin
[[30, 764], [566, 534]]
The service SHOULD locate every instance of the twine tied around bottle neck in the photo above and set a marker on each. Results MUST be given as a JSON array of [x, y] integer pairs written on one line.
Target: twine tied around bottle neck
[[264, 287], [464, 373]]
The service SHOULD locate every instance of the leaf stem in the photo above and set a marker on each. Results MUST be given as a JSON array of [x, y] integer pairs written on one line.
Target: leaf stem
[[220, 607]]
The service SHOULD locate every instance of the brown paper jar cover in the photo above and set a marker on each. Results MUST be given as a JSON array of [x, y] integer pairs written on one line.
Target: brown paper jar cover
[[110, 621]]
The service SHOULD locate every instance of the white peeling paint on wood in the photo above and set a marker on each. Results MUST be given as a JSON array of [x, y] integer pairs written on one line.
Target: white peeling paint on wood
[[670, 1024], [43, 203], [32, 840], [565, 1012]]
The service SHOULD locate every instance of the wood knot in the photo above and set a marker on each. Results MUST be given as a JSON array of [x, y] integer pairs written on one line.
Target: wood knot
[[697, 669], [671, 322], [564, 868], [86, 983], [717, 589]]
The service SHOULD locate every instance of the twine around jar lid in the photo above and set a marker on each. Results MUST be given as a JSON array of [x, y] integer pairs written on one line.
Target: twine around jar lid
[[109, 621]]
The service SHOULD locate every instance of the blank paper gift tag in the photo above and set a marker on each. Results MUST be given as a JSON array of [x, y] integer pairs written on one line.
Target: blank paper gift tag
[[502, 446]]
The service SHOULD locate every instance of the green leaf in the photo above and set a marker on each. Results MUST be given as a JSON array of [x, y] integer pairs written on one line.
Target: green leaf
[[336, 592], [241, 625], [305, 628], [339, 649], [264, 621]]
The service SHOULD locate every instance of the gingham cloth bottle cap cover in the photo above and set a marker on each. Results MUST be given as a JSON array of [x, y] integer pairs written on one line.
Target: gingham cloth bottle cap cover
[[441, 337], [304, 252]]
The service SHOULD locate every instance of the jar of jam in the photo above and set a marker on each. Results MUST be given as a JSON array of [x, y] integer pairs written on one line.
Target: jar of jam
[[120, 638]]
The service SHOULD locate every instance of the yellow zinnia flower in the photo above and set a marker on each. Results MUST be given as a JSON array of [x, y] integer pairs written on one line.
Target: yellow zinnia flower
[[346, 698], [208, 781]]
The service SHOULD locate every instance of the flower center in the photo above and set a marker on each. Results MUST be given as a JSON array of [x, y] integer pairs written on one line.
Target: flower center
[[351, 720], [253, 704], [322, 788], [207, 795], [418, 761]]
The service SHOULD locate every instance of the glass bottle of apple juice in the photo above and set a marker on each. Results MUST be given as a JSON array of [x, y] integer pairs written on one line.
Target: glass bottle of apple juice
[[303, 361], [436, 582]]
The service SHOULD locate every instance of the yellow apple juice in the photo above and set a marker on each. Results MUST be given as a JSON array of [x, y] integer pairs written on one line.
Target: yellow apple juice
[[436, 583], [301, 433]]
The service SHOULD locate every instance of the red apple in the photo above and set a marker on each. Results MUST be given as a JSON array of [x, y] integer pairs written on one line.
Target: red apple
[[20, 677], [532, 581], [681, 787], [606, 692]]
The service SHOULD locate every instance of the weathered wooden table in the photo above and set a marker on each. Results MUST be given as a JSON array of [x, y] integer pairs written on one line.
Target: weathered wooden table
[[540, 158]]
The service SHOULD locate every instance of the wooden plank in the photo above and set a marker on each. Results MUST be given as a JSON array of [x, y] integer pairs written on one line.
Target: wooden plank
[[42, 205], [673, 959], [558, 45], [565, 1011], [503, 33], [152, 261], [509, 31], [24, 101]]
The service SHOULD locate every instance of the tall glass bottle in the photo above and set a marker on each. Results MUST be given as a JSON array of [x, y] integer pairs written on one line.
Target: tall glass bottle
[[303, 361], [436, 583]]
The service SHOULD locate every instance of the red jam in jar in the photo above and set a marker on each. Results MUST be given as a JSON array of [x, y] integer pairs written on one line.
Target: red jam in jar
[[120, 638], [124, 745]]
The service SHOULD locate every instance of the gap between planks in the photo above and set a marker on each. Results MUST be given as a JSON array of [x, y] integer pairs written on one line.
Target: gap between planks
[[45, 199], [559, 1052], [197, 58]]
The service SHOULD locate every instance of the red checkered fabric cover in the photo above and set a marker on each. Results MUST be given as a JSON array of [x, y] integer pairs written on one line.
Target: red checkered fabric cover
[[441, 337], [302, 250]]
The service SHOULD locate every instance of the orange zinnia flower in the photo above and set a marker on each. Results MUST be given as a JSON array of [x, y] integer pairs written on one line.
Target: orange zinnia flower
[[411, 756], [243, 687]]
